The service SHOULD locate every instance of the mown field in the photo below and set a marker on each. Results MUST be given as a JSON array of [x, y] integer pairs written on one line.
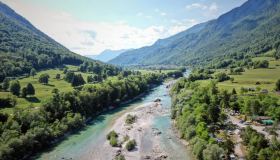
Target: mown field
[[42, 92], [266, 77]]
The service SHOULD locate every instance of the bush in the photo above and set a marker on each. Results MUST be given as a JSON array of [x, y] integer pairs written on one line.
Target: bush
[[130, 145], [44, 78], [111, 134], [278, 85], [120, 157], [222, 77], [113, 138], [130, 119], [114, 141], [15, 87], [261, 64]]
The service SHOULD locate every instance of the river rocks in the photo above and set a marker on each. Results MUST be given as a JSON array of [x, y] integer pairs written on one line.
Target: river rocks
[[161, 157], [118, 152], [157, 100], [156, 132], [147, 157]]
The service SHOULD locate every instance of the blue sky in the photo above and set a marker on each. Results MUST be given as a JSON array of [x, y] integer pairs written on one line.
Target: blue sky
[[91, 26]]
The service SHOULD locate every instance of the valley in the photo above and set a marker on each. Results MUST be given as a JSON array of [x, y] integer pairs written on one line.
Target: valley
[[198, 88]]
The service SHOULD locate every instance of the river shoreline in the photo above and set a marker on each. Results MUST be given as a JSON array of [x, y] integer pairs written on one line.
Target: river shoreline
[[152, 131]]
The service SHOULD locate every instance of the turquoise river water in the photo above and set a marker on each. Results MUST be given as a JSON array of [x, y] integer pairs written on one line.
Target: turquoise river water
[[79, 145]]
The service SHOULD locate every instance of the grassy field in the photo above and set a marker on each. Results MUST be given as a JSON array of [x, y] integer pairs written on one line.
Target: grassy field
[[43, 92], [266, 77]]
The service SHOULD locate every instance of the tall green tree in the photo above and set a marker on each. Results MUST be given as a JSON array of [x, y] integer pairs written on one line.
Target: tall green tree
[[32, 72], [30, 89], [23, 92], [15, 87], [278, 85], [213, 152], [77, 80], [6, 84], [44, 78]]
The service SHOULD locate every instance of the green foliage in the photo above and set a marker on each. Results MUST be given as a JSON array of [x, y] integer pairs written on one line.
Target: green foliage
[[261, 64], [130, 145], [200, 74], [57, 76], [222, 77], [113, 138], [69, 76], [213, 152], [5, 84], [120, 157], [111, 134], [32, 72], [277, 85], [23, 92], [15, 87], [44, 78], [259, 147], [77, 80], [30, 89], [130, 119], [9, 101]]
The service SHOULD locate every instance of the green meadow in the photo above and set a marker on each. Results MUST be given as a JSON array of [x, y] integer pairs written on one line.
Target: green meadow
[[266, 77], [43, 92]]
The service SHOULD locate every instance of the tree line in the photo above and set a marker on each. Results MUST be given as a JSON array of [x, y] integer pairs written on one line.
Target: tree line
[[26, 132], [200, 116]]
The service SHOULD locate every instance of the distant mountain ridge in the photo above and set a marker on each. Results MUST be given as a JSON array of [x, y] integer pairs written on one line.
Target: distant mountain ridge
[[250, 28], [107, 55]]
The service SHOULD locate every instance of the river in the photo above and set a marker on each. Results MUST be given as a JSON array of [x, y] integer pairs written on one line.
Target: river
[[82, 144]]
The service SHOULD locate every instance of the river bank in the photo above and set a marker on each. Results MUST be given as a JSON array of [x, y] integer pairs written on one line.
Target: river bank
[[91, 142]]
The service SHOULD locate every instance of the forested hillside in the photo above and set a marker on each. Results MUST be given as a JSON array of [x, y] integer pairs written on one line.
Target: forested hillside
[[250, 29], [23, 47]]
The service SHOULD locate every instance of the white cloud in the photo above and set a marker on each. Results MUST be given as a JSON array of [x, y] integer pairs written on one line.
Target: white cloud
[[196, 6], [211, 7], [88, 37], [163, 14]]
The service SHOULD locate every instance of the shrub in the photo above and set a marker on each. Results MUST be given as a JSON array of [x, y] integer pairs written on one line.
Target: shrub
[[114, 141], [130, 145], [222, 77], [120, 157], [15, 87], [113, 138], [130, 119], [111, 134], [278, 85], [44, 78]]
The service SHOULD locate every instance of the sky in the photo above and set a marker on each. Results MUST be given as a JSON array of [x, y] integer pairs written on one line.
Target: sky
[[88, 27]]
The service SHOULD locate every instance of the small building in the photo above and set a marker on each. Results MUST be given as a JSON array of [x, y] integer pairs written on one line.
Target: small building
[[267, 122]]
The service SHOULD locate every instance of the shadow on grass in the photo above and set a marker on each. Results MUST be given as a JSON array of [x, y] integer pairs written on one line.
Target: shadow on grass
[[50, 85], [33, 99]]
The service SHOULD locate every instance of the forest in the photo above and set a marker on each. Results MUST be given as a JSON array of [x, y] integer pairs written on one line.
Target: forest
[[28, 131], [201, 114]]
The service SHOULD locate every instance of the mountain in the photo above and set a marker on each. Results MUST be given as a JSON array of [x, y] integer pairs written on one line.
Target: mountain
[[107, 55], [252, 28], [23, 47]]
